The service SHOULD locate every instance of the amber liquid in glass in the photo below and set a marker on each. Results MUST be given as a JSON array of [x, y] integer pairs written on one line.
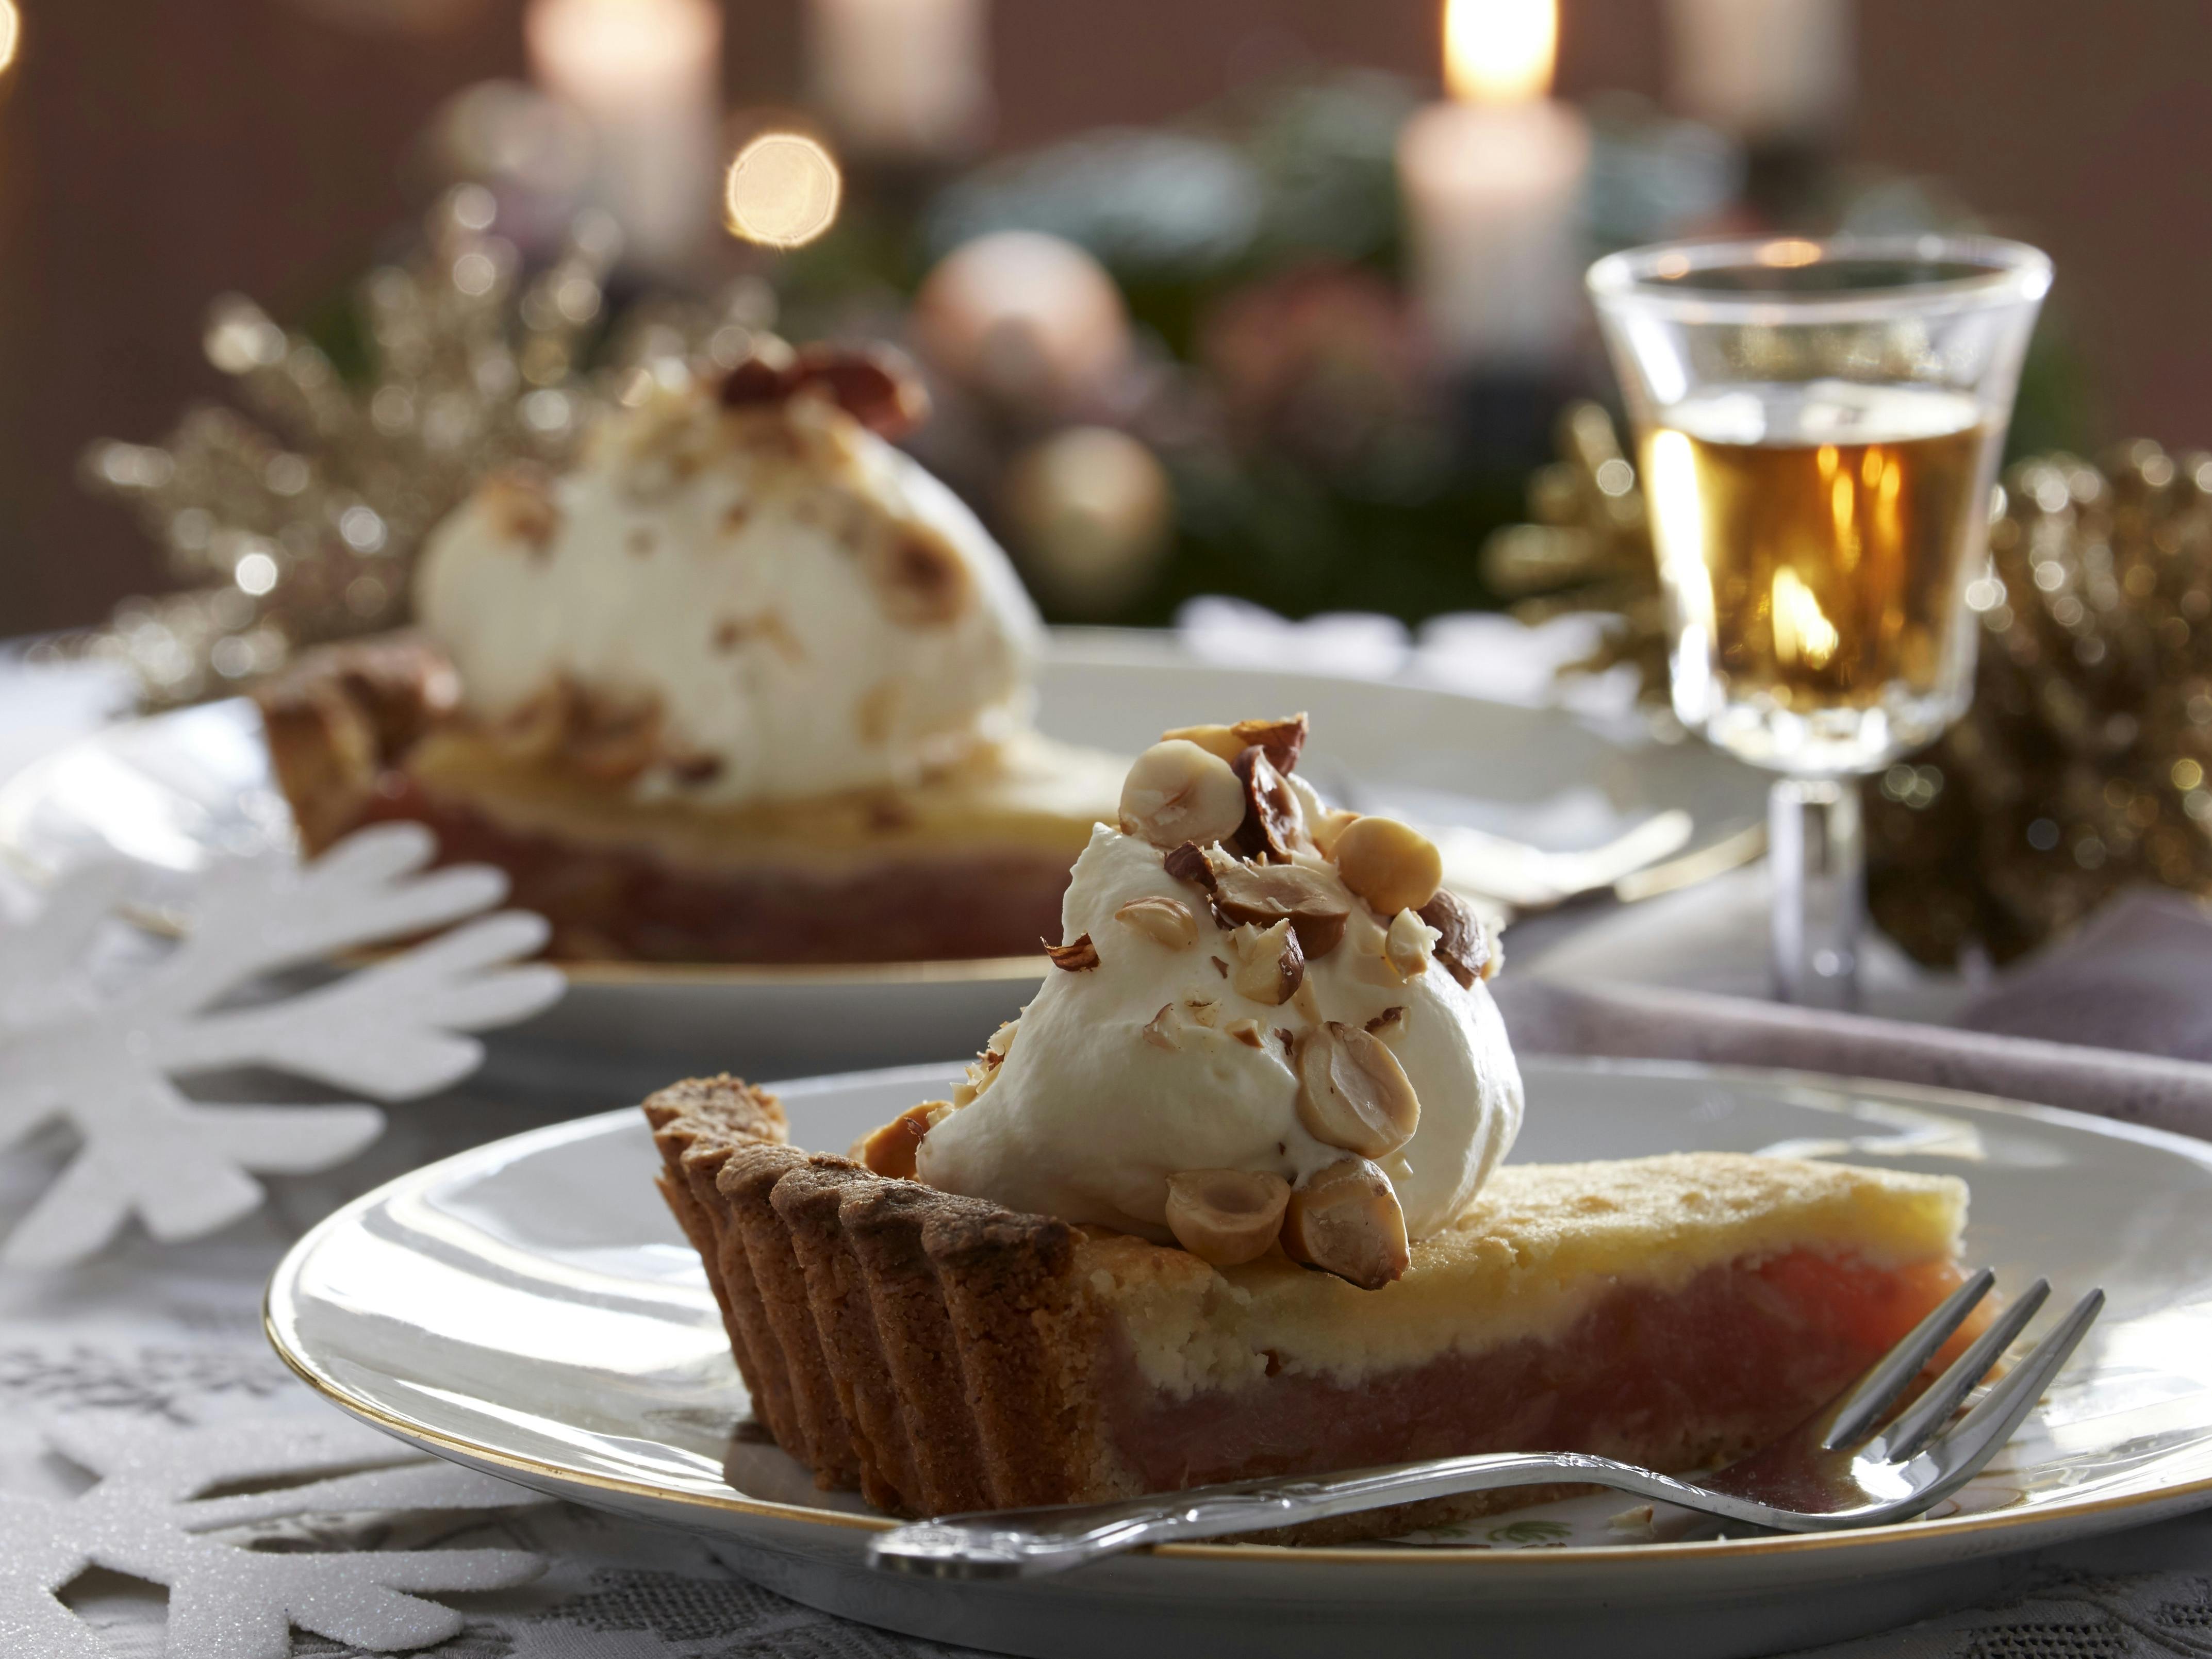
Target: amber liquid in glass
[[1816, 540]]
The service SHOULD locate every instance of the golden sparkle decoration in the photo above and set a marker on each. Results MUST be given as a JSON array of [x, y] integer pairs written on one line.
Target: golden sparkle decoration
[[1589, 548], [2085, 762], [300, 522]]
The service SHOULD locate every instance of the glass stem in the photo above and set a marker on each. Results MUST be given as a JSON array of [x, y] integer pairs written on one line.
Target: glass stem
[[1816, 855]]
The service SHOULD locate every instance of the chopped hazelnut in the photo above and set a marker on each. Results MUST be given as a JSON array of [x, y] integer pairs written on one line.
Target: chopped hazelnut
[[983, 1070], [696, 771], [1175, 792], [1271, 965], [1226, 1216], [1269, 893], [612, 739], [890, 1149], [875, 385], [875, 716], [1246, 1031], [1325, 828], [1345, 1220], [1159, 1030], [519, 501], [1406, 946], [1273, 825], [918, 577], [536, 726], [1391, 866], [1163, 920], [1187, 863], [1284, 739], [1389, 1024], [1075, 957], [761, 379], [1353, 1093], [1463, 943]]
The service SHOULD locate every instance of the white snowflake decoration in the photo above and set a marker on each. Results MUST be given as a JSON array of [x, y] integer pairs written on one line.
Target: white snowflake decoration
[[104, 1056], [146, 1517]]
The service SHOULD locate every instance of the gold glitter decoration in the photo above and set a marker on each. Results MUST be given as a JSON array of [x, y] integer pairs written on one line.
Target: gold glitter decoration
[[301, 525], [2085, 764], [1589, 549]]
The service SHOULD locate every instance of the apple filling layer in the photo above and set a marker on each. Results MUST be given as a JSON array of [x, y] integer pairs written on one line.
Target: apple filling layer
[[1673, 1379]]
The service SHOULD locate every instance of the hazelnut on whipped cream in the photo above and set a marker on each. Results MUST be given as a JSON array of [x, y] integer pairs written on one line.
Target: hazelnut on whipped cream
[[1244, 1042], [764, 597]]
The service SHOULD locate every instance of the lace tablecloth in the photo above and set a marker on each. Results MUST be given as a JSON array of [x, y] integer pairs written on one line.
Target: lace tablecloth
[[147, 1334]]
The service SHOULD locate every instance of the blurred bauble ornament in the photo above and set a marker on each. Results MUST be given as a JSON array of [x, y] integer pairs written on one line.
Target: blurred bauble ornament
[[1320, 362], [306, 529], [1029, 319], [1090, 514]]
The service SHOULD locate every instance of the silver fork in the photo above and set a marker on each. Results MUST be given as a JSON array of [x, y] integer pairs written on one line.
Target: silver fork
[[1844, 1466]]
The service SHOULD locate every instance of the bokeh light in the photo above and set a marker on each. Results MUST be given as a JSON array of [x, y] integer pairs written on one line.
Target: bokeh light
[[783, 191], [11, 34]]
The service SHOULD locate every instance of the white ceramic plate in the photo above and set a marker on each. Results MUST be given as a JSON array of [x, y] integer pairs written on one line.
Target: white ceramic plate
[[530, 1309], [173, 790]]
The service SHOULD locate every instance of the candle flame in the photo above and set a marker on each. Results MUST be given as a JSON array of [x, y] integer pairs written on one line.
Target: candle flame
[[1500, 50], [11, 31]]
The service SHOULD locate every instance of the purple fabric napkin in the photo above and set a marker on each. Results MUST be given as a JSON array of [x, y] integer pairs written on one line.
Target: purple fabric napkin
[[2137, 974], [2116, 1020]]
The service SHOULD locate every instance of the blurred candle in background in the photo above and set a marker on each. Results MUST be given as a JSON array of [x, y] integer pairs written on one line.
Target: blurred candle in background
[[1766, 70], [646, 75], [1491, 179], [902, 80]]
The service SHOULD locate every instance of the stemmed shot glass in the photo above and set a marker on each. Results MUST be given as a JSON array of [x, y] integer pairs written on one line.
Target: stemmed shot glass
[[1819, 425]]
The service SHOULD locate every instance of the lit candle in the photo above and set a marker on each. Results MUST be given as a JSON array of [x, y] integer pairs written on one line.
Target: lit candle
[[901, 78], [647, 74], [1764, 70], [1491, 179]]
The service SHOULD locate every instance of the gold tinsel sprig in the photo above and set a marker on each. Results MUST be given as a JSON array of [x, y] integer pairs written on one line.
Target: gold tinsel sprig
[[301, 524], [2083, 764], [1589, 548]]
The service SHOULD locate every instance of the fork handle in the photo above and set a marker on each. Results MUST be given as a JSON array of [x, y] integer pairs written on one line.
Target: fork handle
[[1029, 1543]]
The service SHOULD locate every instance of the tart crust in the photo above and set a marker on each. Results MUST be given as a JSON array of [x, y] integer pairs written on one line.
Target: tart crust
[[943, 1353]]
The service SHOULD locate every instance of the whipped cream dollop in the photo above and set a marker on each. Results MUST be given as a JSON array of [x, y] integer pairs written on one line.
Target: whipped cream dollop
[[785, 605], [1170, 1037]]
